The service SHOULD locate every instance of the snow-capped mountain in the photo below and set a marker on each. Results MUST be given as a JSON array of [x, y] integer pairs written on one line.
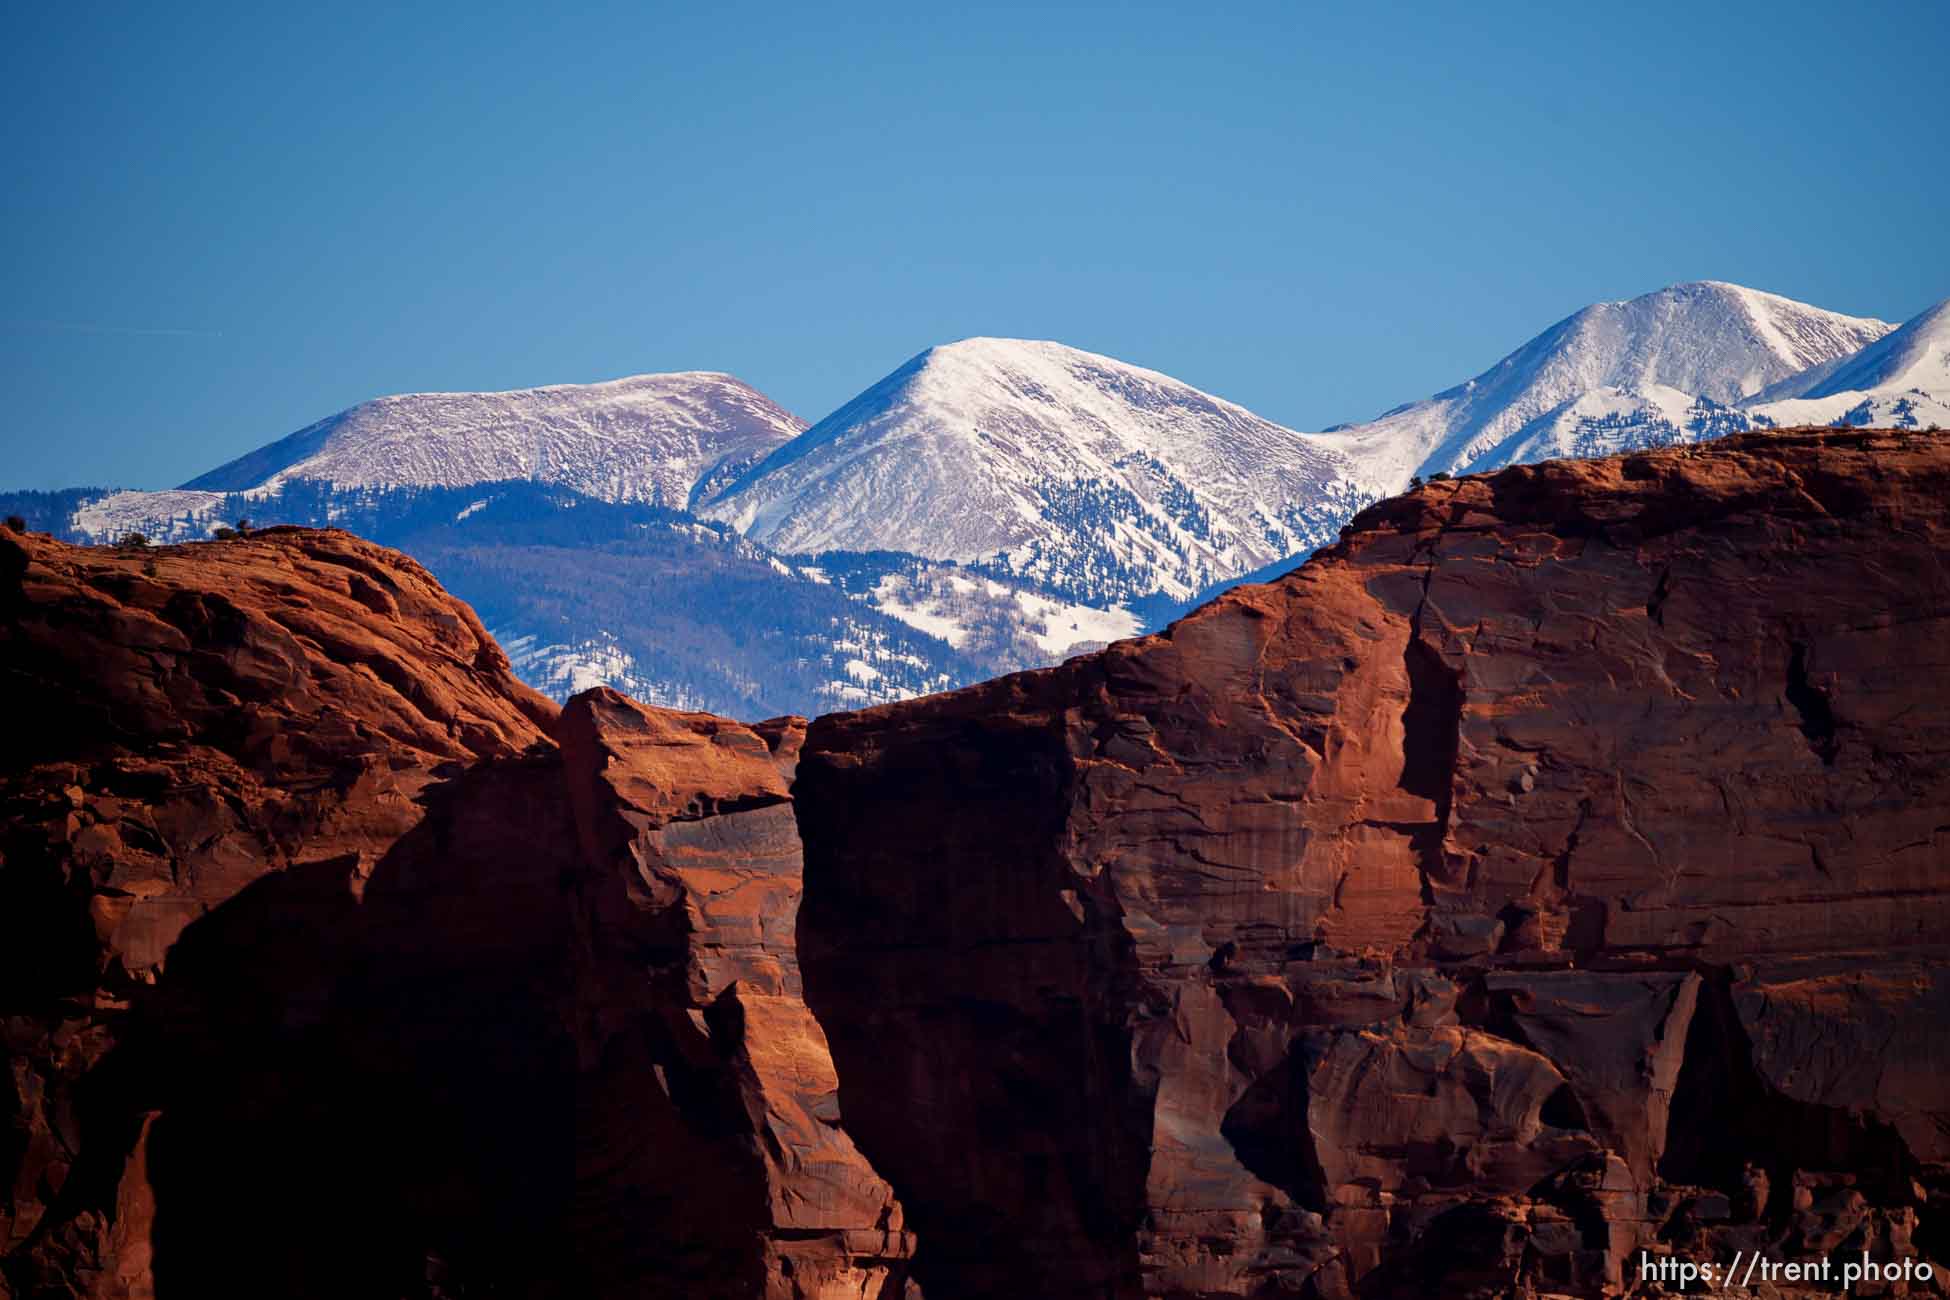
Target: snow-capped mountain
[[991, 505], [652, 439], [1901, 379], [1099, 480], [1660, 368]]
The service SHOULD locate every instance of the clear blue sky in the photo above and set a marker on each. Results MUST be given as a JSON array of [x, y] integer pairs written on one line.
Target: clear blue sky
[[222, 222]]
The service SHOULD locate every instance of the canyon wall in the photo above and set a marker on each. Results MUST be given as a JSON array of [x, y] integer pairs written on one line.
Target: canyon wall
[[1555, 874], [334, 962], [1555, 869]]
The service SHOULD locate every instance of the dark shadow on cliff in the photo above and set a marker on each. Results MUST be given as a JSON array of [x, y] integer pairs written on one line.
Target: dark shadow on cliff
[[981, 1024], [372, 1097], [1269, 1131], [437, 1088], [1725, 1117]]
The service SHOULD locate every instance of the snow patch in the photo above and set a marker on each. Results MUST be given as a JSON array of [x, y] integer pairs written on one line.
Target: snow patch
[[959, 608], [176, 515], [560, 670]]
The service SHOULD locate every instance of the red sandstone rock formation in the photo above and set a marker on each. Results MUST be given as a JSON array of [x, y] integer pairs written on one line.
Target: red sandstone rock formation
[[1552, 872], [326, 971], [688, 972], [1556, 869]]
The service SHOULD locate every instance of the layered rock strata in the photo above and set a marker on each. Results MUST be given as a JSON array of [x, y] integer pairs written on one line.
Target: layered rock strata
[[1552, 876], [333, 962]]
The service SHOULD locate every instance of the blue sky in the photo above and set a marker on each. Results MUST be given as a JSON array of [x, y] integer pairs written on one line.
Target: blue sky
[[223, 221]]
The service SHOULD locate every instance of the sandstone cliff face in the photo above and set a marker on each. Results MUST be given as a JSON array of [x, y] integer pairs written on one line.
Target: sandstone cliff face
[[334, 963], [1556, 869], [732, 1176]]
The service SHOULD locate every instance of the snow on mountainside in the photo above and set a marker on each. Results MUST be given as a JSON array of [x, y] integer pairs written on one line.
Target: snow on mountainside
[[1605, 421], [991, 505], [1097, 479], [1663, 367], [651, 439], [560, 670], [649, 600], [1915, 357], [995, 621], [1901, 379], [171, 515]]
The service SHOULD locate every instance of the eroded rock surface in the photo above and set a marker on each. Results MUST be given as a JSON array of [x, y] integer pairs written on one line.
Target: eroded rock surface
[[335, 963], [1556, 869]]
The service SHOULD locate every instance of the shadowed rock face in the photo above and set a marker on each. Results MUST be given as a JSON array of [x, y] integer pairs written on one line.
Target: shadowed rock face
[[335, 963], [1557, 868]]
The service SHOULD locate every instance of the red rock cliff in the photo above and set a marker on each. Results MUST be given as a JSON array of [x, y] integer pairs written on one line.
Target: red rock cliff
[[334, 963], [1554, 871], [1557, 868]]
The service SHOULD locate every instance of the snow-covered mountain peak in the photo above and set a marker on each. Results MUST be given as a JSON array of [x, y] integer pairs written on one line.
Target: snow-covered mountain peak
[[1706, 339], [651, 438], [951, 383], [1099, 477], [1726, 341], [1901, 379], [986, 355], [1915, 357]]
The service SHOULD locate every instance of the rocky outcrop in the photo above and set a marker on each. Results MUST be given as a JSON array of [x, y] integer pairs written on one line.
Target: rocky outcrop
[[1553, 875], [687, 973], [333, 962]]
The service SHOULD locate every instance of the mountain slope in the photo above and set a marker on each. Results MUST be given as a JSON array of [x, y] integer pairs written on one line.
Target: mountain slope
[[1916, 356], [684, 614], [648, 600], [650, 439], [1901, 379], [1606, 421], [1614, 376], [1097, 479]]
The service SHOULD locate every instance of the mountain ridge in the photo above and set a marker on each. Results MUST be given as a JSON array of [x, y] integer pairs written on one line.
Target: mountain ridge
[[1901, 378], [1010, 501], [651, 438], [1707, 339]]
